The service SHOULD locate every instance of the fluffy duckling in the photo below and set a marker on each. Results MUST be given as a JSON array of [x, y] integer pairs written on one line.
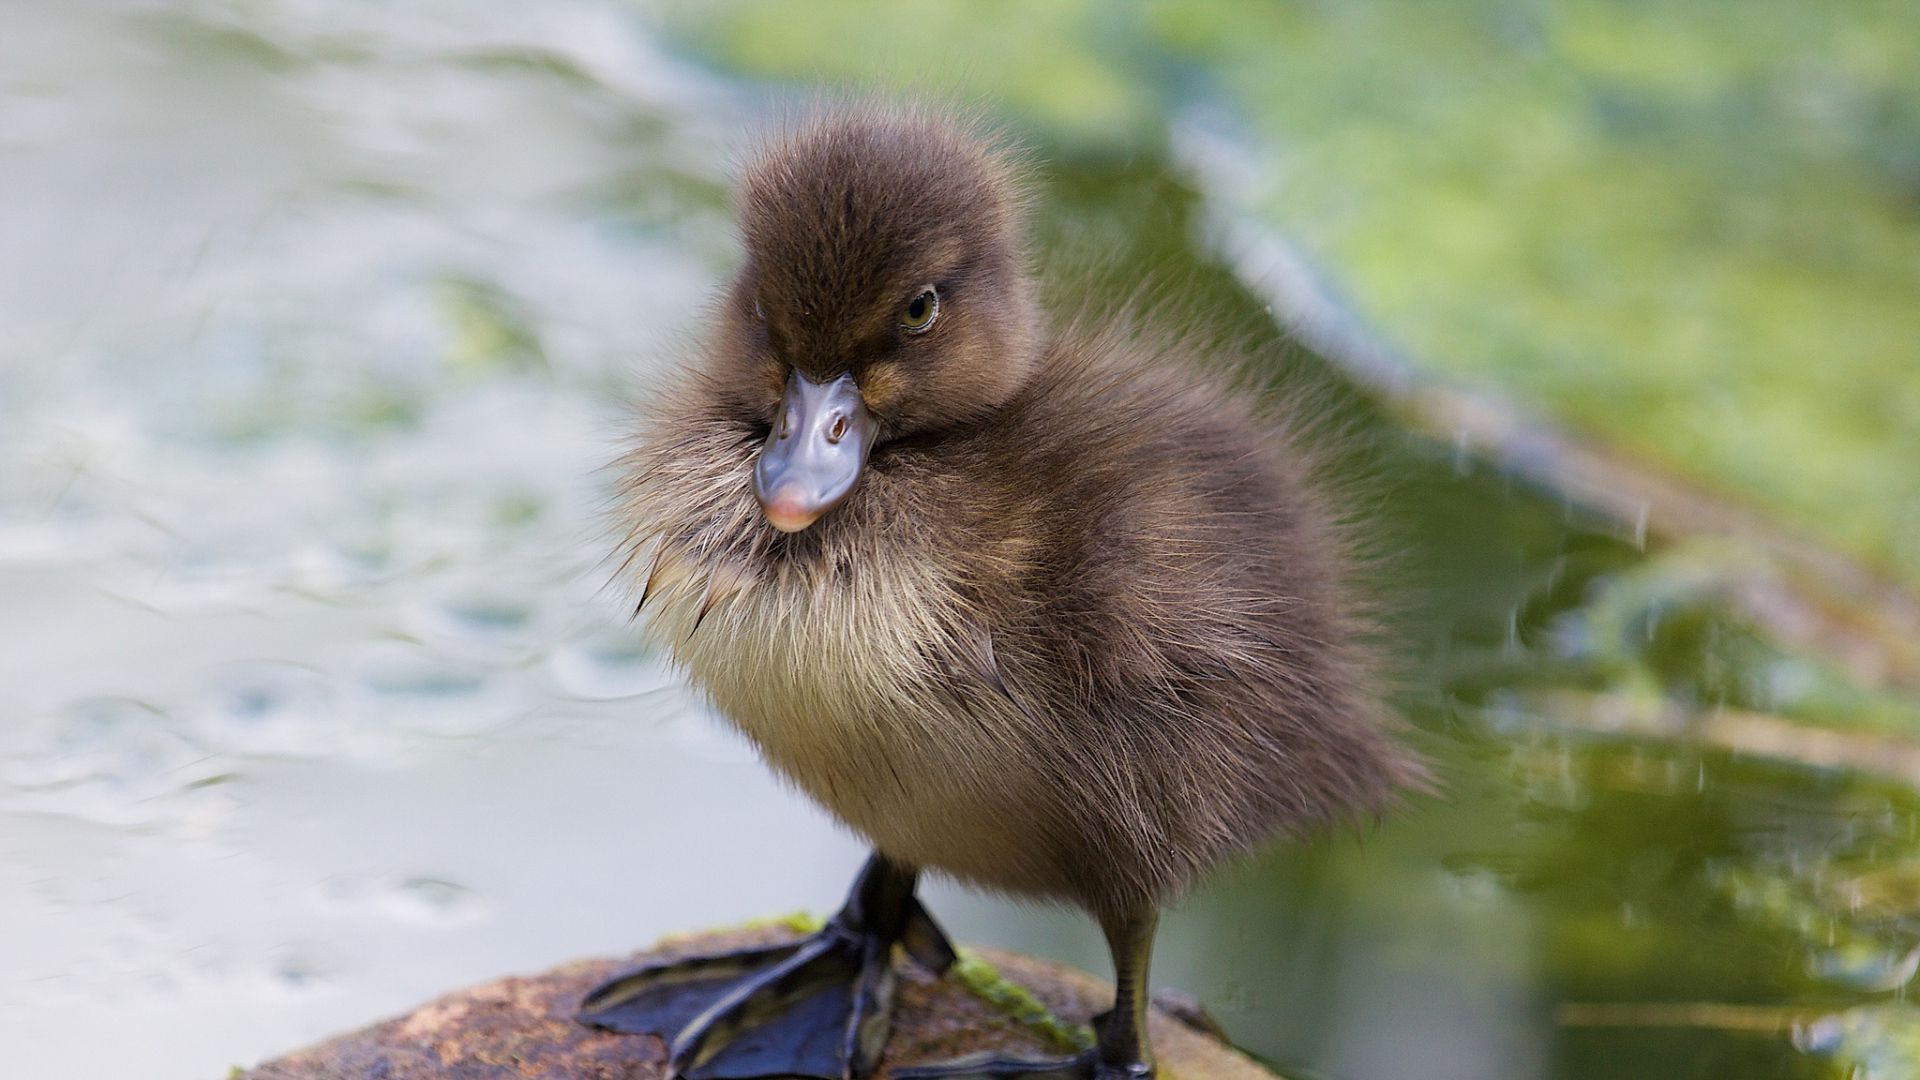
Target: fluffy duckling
[[1042, 608]]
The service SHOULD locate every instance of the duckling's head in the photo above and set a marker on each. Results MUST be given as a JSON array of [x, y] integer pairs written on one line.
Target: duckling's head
[[883, 295]]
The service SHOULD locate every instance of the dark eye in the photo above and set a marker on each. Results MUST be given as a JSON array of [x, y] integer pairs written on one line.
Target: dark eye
[[920, 311]]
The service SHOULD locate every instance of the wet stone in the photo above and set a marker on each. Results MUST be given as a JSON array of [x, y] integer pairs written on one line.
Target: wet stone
[[523, 1027]]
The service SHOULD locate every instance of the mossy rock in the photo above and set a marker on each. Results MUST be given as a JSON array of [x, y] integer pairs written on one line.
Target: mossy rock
[[522, 1028]]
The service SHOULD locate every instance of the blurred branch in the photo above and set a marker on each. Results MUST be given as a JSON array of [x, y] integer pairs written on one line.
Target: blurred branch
[[1739, 731], [1750, 1019], [1821, 602]]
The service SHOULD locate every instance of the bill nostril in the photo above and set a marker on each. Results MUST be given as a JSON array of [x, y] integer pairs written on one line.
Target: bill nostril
[[838, 431]]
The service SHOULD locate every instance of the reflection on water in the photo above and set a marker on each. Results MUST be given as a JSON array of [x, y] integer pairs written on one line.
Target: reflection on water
[[312, 703]]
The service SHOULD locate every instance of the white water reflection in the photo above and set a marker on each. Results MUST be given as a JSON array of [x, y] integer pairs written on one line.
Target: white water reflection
[[316, 322]]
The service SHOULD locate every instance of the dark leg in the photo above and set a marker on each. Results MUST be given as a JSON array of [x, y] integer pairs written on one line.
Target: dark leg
[[1123, 1048], [1122, 1052], [820, 1007]]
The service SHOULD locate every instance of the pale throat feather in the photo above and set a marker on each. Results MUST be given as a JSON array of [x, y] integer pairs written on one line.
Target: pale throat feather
[[827, 668]]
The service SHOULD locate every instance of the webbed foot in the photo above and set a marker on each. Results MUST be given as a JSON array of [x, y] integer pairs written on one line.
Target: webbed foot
[[819, 1007]]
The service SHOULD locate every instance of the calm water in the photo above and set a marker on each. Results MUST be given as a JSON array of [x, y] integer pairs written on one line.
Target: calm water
[[316, 321]]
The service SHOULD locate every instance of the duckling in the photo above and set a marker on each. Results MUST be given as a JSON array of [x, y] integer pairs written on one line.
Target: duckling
[[1043, 608]]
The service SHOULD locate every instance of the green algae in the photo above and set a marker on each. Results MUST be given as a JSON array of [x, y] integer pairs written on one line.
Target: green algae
[[796, 922], [985, 982]]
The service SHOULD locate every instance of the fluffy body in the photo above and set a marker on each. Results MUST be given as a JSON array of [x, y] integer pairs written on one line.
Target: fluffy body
[[1084, 629], [1123, 548]]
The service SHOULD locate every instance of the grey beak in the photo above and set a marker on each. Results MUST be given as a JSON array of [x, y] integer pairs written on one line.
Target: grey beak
[[816, 452]]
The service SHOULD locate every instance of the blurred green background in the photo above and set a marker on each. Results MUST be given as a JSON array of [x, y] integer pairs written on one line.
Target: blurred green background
[[319, 319]]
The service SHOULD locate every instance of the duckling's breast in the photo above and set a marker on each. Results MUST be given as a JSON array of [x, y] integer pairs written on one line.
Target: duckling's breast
[[843, 679], [808, 662]]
